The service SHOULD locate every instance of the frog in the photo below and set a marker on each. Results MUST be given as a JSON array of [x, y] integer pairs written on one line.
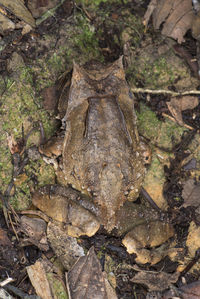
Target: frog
[[102, 166]]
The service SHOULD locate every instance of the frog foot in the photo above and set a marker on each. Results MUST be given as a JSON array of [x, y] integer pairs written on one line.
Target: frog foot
[[146, 236]]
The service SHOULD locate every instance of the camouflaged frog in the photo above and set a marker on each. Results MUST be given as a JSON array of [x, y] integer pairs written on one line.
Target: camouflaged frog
[[101, 160]]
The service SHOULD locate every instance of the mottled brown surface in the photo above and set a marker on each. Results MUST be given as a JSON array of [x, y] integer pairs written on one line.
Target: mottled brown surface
[[101, 154], [102, 158]]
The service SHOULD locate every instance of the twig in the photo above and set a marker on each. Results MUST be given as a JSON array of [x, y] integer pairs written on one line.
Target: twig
[[11, 222], [174, 120], [6, 281], [192, 263], [20, 293], [161, 91], [150, 200], [83, 9]]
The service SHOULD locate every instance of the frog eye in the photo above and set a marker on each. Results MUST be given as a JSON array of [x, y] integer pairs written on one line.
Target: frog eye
[[147, 157]]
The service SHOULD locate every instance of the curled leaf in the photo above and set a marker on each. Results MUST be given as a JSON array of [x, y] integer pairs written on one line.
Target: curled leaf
[[176, 16], [85, 279]]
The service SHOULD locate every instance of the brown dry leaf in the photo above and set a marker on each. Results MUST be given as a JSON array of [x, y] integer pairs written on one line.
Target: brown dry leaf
[[188, 102], [189, 291], [150, 9], [179, 104], [109, 289], [12, 144], [193, 240], [35, 229], [4, 294], [38, 278], [44, 278], [6, 24], [50, 95], [196, 26], [191, 193], [26, 29], [18, 8], [85, 279], [65, 247], [38, 7], [155, 280], [20, 179], [176, 16], [4, 241]]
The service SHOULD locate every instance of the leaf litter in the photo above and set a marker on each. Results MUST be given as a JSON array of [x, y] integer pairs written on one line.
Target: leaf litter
[[174, 31], [175, 16]]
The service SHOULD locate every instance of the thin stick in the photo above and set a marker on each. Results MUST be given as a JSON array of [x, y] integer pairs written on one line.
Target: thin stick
[[164, 91], [11, 222], [173, 119]]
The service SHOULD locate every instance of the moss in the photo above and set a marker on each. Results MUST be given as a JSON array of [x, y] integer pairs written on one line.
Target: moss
[[168, 130], [159, 132], [20, 108], [177, 199], [156, 74], [36, 171], [56, 286], [5, 167], [94, 4], [85, 41], [148, 123]]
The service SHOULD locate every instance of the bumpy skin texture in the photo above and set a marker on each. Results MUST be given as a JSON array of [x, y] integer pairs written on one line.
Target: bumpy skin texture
[[101, 152], [102, 157]]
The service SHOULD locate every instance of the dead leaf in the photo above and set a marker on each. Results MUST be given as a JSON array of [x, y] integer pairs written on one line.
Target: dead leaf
[[65, 247], [193, 240], [190, 165], [38, 278], [175, 16], [58, 287], [50, 95], [47, 284], [6, 24], [149, 11], [109, 289], [4, 294], [4, 241], [38, 7], [155, 280], [35, 229], [179, 104], [191, 193], [12, 144], [196, 26], [188, 102], [20, 179], [85, 279], [185, 54], [26, 29], [18, 8], [189, 291]]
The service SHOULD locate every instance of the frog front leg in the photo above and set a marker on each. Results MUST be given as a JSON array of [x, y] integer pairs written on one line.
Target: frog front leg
[[69, 207]]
